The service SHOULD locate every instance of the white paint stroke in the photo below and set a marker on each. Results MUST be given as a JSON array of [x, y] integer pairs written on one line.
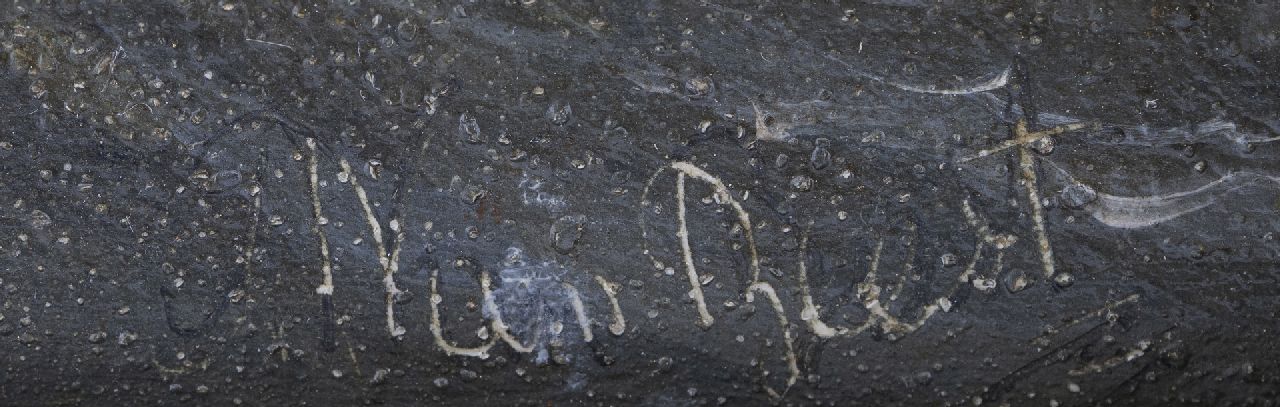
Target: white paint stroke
[[1133, 212], [985, 237], [481, 351], [1194, 133], [1023, 140], [1106, 308], [723, 194], [870, 291], [780, 129], [580, 311], [500, 328], [390, 262], [810, 314], [326, 265], [792, 365], [695, 287], [1026, 162], [996, 82], [982, 232], [1142, 134], [619, 324]]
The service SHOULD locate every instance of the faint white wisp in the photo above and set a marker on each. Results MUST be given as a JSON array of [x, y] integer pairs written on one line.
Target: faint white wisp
[[1131, 212]]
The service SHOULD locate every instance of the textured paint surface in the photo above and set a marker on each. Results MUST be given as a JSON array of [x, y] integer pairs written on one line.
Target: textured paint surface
[[537, 202]]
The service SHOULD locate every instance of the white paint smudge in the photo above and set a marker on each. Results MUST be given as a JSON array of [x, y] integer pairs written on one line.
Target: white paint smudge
[[500, 328], [996, 82], [1132, 212]]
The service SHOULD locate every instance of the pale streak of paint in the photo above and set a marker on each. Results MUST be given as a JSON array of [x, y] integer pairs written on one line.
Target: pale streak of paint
[[1024, 141], [481, 351], [351, 355], [695, 287], [744, 220], [326, 267], [1143, 135], [1132, 212], [1097, 367], [1094, 314], [1192, 134], [579, 310], [619, 324], [500, 329], [792, 364], [997, 82], [868, 290], [722, 192], [1027, 165], [649, 84], [390, 263], [810, 313], [887, 322], [973, 263], [984, 237], [1143, 211]]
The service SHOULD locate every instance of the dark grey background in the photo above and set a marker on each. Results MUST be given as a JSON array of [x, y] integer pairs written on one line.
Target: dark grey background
[[157, 240]]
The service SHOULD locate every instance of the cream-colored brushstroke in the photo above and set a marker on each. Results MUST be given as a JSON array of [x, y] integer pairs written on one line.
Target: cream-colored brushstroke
[[996, 82], [810, 313], [481, 351], [390, 262], [973, 263], [1027, 166], [1142, 135], [580, 311], [619, 324], [983, 236], [1027, 171], [723, 194], [780, 129], [500, 328], [870, 292], [1025, 141], [792, 364], [326, 266], [695, 287]]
